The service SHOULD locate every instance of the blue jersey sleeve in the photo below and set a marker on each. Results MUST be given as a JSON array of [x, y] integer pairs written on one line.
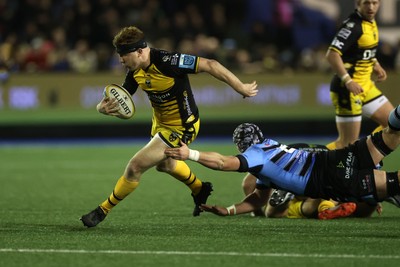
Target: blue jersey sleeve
[[274, 163]]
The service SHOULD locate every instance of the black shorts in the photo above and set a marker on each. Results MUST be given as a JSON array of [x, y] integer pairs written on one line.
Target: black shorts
[[344, 175]]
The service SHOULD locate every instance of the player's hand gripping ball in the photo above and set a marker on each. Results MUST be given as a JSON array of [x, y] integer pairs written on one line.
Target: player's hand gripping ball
[[126, 105]]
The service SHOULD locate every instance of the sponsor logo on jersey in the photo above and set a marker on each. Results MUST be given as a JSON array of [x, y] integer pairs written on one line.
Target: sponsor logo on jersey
[[340, 165], [159, 98], [337, 43], [349, 163], [173, 136], [366, 183], [344, 33], [166, 58], [186, 103], [174, 60], [187, 61], [350, 25], [148, 83]]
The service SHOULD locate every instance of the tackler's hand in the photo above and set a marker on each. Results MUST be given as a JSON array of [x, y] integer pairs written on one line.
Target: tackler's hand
[[217, 210], [178, 153]]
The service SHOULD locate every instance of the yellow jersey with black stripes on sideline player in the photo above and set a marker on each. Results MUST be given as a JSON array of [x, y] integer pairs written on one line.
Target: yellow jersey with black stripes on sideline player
[[167, 86], [357, 42]]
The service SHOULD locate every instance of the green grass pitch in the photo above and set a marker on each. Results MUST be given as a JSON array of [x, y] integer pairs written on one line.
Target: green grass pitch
[[44, 189]]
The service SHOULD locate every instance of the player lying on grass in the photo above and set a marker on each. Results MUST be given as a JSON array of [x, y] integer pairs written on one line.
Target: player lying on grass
[[284, 204], [345, 175]]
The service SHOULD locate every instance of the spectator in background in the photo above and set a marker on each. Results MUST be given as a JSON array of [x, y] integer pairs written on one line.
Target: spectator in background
[[8, 52], [284, 23], [57, 57], [259, 22], [255, 26], [36, 54], [82, 59], [329, 8], [311, 31]]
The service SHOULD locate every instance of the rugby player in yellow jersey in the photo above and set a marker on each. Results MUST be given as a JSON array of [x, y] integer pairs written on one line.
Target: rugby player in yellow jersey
[[164, 77], [353, 90]]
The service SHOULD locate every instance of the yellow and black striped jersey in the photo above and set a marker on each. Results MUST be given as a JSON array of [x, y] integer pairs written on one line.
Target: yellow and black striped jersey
[[167, 85], [357, 41]]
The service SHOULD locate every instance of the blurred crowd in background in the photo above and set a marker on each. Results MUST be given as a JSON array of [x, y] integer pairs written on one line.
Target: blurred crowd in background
[[251, 36]]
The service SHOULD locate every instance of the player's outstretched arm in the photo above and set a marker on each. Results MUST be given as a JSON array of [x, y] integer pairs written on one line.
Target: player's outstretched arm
[[212, 160], [254, 201], [217, 70]]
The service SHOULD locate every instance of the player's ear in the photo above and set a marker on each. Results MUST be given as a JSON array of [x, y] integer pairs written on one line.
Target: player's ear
[[139, 50]]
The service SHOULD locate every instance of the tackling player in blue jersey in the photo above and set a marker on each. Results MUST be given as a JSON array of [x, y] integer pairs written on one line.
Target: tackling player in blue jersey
[[347, 174]]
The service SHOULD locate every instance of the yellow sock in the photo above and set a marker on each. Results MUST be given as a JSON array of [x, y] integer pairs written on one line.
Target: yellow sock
[[294, 209], [121, 190], [183, 173], [325, 204], [331, 146], [377, 129]]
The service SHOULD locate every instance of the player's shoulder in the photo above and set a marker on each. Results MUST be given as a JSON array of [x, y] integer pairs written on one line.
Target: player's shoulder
[[174, 63], [349, 32], [265, 145], [160, 56], [353, 22]]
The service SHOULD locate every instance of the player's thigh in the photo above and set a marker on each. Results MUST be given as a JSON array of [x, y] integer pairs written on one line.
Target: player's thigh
[[376, 105], [150, 155], [347, 105], [381, 115], [172, 135], [249, 183]]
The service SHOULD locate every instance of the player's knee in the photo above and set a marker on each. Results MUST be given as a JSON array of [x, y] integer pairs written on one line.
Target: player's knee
[[133, 170], [162, 168], [165, 166]]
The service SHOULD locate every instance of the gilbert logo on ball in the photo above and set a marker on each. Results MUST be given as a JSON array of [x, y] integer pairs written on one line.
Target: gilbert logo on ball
[[126, 105]]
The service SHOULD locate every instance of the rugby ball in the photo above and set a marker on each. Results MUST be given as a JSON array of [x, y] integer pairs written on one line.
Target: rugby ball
[[124, 98]]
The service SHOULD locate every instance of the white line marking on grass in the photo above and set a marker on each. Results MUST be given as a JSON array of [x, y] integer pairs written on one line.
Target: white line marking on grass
[[191, 253]]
